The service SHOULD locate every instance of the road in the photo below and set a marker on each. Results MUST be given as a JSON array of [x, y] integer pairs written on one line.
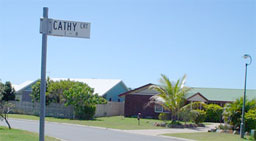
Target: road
[[71, 132]]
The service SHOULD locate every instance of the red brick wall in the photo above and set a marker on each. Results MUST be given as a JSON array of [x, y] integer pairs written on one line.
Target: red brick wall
[[135, 104]]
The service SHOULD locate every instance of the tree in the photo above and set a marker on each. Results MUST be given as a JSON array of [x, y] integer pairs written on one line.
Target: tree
[[67, 92], [172, 95], [233, 111], [35, 95], [56, 90], [8, 92], [82, 97], [1, 90], [5, 108]]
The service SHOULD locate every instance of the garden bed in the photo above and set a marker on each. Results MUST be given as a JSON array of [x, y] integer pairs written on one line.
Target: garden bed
[[177, 125]]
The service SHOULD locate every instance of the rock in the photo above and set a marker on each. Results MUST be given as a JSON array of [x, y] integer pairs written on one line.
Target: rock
[[235, 132]]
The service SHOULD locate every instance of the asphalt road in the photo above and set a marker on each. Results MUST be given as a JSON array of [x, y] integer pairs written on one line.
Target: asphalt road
[[71, 132]]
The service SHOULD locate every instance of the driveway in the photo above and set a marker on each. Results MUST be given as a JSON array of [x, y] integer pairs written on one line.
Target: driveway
[[71, 132]]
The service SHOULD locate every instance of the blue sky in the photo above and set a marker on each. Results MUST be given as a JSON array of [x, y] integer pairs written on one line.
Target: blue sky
[[134, 41]]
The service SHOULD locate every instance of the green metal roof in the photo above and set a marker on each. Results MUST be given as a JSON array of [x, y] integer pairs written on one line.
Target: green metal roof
[[221, 94]]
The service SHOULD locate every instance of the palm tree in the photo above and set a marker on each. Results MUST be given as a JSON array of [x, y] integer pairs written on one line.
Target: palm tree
[[171, 95]]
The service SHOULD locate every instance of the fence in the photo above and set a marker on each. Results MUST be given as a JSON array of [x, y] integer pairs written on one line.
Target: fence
[[110, 109], [61, 111], [52, 110]]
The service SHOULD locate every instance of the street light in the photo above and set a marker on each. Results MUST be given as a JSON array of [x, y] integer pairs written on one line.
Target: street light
[[242, 122]]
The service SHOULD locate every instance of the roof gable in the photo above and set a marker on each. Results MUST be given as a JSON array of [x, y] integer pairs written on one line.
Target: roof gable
[[23, 85], [143, 90], [197, 97]]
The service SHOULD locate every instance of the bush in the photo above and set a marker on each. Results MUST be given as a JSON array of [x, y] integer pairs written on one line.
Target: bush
[[85, 112], [213, 113], [198, 116], [185, 115], [199, 106], [175, 124], [250, 120], [232, 112], [225, 127], [164, 116], [195, 106]]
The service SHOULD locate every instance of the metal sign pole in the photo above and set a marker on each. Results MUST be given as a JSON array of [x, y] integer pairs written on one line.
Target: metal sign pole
[[55, 28], [43, 77]]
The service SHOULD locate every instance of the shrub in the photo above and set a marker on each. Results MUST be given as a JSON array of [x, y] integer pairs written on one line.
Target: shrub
[[198, 116], [199, 106], [185, 115], [164, 116], [195, 106], [225, 127], [250, 120], [85, 112], [175, 124], [232, 112], [213, 113]]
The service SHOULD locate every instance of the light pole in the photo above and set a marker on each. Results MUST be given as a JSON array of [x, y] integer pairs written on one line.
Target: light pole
[[243, 110]]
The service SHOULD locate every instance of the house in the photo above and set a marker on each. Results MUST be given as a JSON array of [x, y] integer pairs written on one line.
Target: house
[[219, 96], [137, 100], [107, 88], [24, 90]]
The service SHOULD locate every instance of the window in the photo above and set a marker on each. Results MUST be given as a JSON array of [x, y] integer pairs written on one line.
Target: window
[[158, 108], [118, 100], [110, 99]]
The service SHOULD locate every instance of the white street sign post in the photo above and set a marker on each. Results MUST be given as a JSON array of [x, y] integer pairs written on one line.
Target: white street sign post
[[55, 28]]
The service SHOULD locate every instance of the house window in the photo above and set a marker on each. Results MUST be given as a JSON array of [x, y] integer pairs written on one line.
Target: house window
[[118, 100], [158, 108], [110, 99]]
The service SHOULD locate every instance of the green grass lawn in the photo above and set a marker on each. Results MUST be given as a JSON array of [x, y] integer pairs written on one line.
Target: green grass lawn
[[116, 122], [20, 135], [208, 136]]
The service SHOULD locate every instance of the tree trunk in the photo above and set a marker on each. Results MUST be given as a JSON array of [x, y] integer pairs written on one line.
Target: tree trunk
[[9, 126]]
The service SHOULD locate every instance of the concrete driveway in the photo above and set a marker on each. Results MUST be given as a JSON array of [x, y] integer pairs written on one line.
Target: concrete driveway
[[71, 132]]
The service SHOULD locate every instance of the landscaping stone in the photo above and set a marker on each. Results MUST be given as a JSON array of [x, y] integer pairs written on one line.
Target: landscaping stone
[[212, 130], [235, 132]]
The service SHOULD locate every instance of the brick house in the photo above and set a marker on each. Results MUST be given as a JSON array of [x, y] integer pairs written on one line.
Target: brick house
[[136, 101]]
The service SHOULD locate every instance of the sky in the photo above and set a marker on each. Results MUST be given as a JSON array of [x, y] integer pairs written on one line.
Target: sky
[[135, 41]]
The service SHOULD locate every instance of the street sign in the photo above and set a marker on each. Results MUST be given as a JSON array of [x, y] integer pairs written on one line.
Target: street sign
[[65, 28]]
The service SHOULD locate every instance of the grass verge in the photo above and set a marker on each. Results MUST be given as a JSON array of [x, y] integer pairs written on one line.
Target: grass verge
[[207, 136], [20, 135], [115, 122]]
